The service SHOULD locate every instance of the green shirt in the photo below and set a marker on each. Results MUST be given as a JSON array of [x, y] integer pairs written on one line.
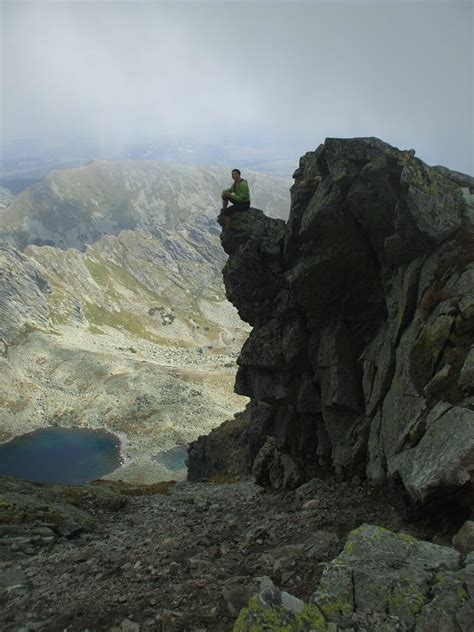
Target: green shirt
[[240, 191]]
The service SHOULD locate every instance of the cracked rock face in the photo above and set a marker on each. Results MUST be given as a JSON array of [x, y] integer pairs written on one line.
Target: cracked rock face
[[362, 308]]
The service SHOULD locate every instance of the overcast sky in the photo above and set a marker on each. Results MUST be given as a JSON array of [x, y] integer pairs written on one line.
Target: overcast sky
[[289, 72]]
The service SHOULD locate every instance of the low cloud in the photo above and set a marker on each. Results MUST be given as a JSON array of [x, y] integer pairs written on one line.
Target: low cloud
[[289, 73]]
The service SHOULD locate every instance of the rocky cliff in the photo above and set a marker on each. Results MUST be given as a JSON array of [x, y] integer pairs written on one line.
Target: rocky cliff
[[361, 356]]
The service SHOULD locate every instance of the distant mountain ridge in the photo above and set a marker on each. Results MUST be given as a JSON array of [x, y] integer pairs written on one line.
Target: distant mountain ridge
[[72, 208]]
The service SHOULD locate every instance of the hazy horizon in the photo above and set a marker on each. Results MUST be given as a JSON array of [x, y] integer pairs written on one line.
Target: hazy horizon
[[271, 80]]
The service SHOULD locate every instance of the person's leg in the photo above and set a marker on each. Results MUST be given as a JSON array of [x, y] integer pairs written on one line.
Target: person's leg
[[236, 207], [226, 198], [228, 216], [240, 206]]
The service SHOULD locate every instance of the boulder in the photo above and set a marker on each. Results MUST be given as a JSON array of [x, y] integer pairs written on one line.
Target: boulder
[[380, 581], [464, 538]]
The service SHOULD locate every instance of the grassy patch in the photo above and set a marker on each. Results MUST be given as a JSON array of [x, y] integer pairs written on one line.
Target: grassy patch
[[107, 274], [56, 304], [124, 321]]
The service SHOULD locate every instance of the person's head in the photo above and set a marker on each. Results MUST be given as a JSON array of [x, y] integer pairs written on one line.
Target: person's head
[[235, 174]]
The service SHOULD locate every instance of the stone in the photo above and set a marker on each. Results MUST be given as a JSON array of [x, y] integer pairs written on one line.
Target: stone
[[466, 377], [278, 609], [391, 574], [228, 450], [320, 543], [129, 626], [464, 538], [276, 469], [12, 579], [309, 398], [438, 381], [236, 598], [311, 505], [378, 361], [442, 457], [23, 299], [251, 236]]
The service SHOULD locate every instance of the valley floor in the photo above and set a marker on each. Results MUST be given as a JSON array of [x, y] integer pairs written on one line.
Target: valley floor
[[151, 396], [186, 561]]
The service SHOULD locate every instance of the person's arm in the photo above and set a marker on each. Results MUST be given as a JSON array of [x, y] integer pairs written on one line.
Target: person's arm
[[243, 195]]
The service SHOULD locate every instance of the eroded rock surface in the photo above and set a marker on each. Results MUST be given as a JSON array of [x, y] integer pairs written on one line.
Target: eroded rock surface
[[362, 309]]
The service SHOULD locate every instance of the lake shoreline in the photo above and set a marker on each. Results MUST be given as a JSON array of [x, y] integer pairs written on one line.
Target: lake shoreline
[[137, 458], [57, 454]]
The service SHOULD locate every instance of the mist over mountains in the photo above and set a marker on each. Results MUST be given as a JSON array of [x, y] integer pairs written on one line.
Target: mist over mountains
[[24, 161]]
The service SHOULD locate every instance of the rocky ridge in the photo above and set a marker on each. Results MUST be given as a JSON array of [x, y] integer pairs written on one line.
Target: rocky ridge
[[74, 207], [361, 354]]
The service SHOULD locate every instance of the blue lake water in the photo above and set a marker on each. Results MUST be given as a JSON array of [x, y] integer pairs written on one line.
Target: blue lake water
[[174, 459], [60, 455]]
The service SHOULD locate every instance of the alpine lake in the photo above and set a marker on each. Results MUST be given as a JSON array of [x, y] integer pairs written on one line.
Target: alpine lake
[[70, 456]]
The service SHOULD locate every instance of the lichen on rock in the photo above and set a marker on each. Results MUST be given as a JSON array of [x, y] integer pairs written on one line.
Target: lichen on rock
[[380, 581]]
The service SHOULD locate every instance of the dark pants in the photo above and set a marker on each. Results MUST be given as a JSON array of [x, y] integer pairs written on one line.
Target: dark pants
[[238, 206]]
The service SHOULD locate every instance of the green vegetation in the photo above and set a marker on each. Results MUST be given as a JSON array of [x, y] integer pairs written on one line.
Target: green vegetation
[[99, 316], [107, 274], [56, 304], [98, 271], [257, 618], [333, 608]]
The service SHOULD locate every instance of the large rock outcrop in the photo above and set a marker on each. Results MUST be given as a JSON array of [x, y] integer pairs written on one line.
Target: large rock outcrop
[[380, 581], [362, 309]]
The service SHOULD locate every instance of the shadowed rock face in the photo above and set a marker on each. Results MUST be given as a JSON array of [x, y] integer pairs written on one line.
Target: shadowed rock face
[[363, 314]]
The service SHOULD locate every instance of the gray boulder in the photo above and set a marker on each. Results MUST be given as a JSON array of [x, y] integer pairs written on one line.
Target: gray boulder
[[381, 581]]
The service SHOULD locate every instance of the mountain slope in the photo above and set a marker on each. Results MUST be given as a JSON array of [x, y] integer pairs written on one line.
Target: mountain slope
[[121, 321], [76, 207]]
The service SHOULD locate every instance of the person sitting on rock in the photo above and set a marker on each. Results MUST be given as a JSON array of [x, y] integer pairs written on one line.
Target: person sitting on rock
[[238, 195]]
